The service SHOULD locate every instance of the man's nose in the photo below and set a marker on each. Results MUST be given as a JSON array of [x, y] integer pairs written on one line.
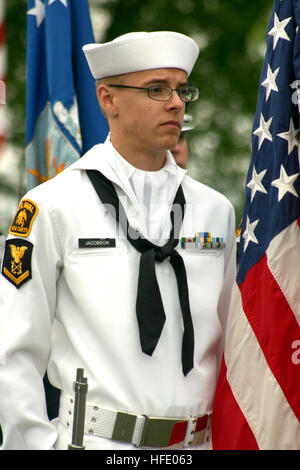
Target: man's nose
[[175, 101]]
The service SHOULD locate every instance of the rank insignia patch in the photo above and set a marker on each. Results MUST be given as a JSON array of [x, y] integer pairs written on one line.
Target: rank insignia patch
[[16, 265], [22, 223]]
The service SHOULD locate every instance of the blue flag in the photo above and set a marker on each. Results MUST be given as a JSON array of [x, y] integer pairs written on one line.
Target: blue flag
[[63, 118]]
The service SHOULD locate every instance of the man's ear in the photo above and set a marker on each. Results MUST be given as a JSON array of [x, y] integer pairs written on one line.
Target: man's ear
[[107, 100]]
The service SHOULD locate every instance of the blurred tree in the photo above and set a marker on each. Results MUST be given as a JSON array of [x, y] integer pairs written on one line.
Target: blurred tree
[[15, 31], [231, 36], [16, 73]]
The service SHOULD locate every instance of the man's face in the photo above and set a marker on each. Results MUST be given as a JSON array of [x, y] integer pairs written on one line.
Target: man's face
[[180, 151], [148, 125]]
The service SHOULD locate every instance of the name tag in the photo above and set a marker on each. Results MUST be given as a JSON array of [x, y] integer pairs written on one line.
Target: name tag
[[96, 243]]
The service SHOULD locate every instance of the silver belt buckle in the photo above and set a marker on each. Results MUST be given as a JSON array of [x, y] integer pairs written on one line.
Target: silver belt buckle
[[157, 432]]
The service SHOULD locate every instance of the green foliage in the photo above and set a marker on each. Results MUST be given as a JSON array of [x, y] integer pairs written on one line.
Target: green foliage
[[16, 71], [15, 32]]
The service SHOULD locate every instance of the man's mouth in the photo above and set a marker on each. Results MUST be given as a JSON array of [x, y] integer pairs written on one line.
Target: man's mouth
[[172, 124]]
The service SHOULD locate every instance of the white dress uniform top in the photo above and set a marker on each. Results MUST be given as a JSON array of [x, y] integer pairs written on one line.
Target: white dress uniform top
[[78, 307]]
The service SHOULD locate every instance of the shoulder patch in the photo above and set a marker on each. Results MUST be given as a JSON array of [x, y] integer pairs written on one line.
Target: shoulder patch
[[16, 266], [23, 220]]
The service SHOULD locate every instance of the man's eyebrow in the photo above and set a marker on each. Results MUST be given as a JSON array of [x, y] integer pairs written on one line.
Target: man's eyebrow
[[154, 81]]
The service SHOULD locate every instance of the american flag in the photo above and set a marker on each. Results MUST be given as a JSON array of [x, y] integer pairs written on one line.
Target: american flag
[[257, 402]]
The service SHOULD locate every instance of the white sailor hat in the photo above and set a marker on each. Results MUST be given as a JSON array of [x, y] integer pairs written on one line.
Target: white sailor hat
[[187, 124], [138, 51]]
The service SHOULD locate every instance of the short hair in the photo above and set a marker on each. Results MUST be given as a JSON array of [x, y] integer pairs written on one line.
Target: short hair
[[116, 79]]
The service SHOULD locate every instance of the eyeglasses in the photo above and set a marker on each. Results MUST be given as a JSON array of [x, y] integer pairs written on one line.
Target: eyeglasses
[[164, 93]]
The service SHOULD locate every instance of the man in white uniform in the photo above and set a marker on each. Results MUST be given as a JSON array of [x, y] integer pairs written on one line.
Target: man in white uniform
[[180, 151], [99, 273]]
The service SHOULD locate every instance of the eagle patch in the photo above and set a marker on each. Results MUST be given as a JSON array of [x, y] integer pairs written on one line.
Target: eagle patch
[[23, 220], [16, 265]]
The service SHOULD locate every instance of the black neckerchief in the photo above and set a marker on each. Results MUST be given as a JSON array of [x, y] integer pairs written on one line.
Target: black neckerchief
[[149, 307]]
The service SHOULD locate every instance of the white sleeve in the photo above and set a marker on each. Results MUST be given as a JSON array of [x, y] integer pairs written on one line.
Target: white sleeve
[[229, 278], [26, 313]]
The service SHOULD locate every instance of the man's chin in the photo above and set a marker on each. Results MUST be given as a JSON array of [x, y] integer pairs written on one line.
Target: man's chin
[[171, 142]]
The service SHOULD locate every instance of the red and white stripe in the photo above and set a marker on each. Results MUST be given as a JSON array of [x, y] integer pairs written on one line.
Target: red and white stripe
[[257, 402], [3, 68]]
